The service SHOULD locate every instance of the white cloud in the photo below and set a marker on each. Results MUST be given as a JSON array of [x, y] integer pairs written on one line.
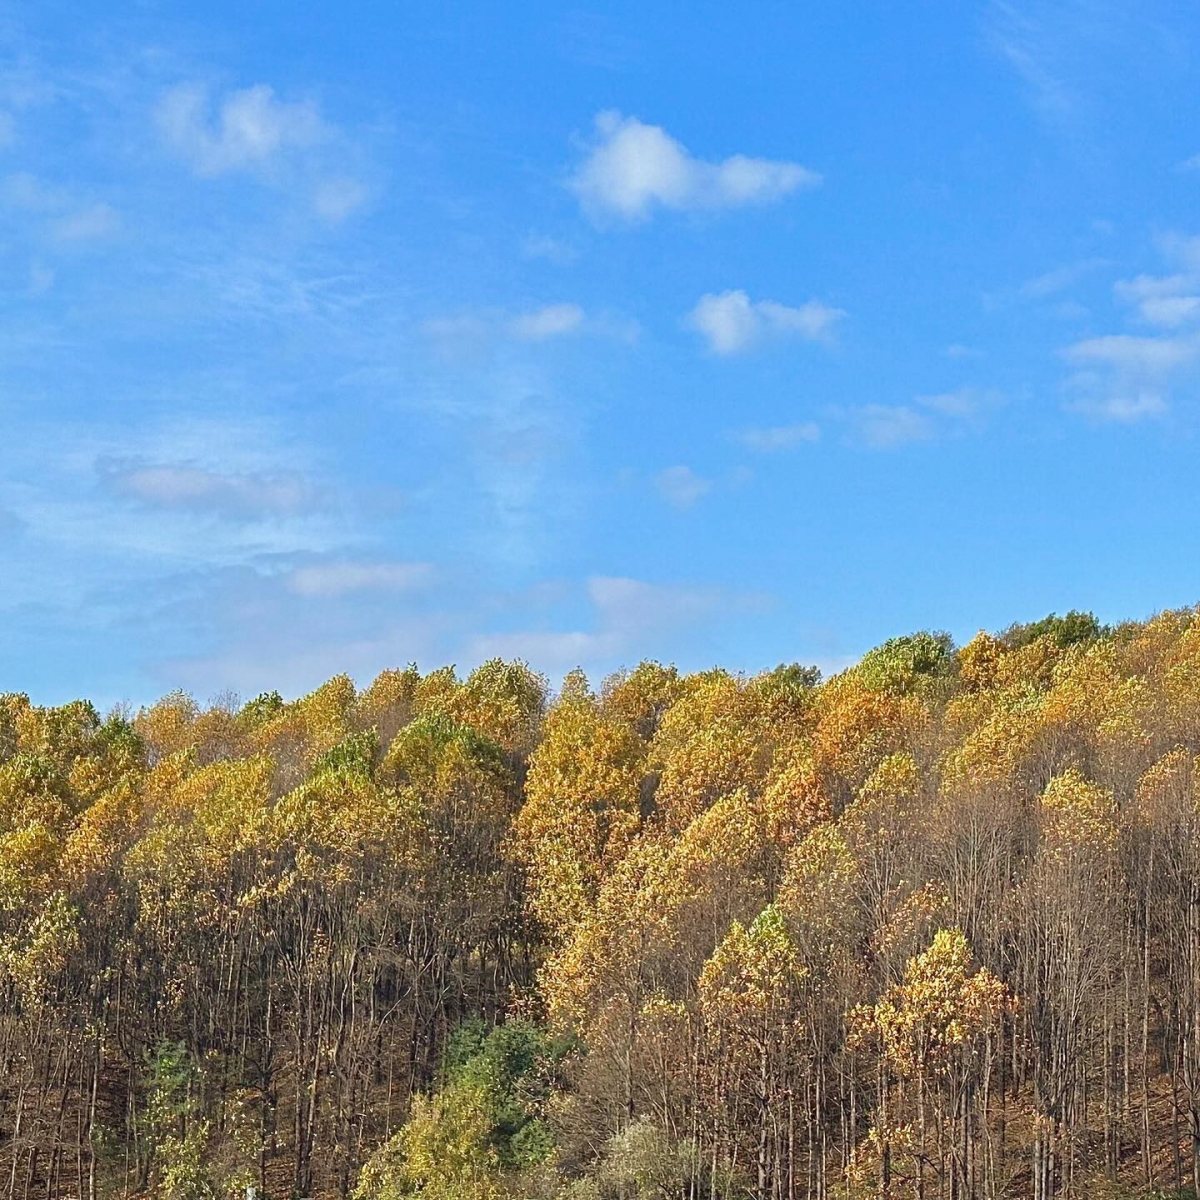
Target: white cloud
[[336, 199], [26, 191], [298, 655], [90, 224], [778, 437], [249, 128], [681, 487], [731, 322], [1052, 282], [1170, 311], [1126, 407], [1129, 376], [1145, 356], [1016, 42], [1069, 310], [626, 613], [631, 604], [962, 403], [550, 650], [457, 338], [468, 335], [1126, 378], [198, 489], [883, 426], [633, 168], [1183, 250], [69, 218], [340, 578], [1068, 55], [551, 321], [1167, 301], [552, 249]]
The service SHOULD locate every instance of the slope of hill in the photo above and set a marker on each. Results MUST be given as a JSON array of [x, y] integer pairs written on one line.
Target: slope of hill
[[928, 928]]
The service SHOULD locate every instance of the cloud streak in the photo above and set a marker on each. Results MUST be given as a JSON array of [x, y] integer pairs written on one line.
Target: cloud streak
[[887, 426], [342, 578], [467, 335], [200, 490], [770, 439]]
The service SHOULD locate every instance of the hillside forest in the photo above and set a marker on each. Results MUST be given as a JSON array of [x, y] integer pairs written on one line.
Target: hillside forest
[[929, 928]]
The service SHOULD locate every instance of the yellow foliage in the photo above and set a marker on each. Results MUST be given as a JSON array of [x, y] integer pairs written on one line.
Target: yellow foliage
[[709, 743], [794, 800], [1078, 817], [979, 662], [752, 973], [581, 808], [857, 727], [931, 1020], [641, 697], [819, 882]]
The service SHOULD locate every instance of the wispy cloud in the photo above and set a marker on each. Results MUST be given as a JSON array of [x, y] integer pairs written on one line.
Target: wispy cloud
[[681, 487], [554, 250], [267, 634], [58, 213], [465, 336], [731, 322], [1023, 39], [886, 426], [1149, 356], [1124, 377], [1172, 300], [625, 613], [769, 439], [962, 403], [335, 199], [340, 578], [1130, 376], [1060, 279], [883, 426], [24, 190], [551, 321], [251, 130], [1068, 56], [198, 489], [248, 129], [632, 168], [1166, 301], [93, 223]]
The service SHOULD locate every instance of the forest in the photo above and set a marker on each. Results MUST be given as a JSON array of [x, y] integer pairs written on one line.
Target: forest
[[927, 928]]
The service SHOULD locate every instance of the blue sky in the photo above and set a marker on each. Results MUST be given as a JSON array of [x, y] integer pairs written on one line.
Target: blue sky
[[340, 336]]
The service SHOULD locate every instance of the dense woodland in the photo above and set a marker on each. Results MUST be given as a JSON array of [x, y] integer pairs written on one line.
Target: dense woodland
[[929, 928]]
